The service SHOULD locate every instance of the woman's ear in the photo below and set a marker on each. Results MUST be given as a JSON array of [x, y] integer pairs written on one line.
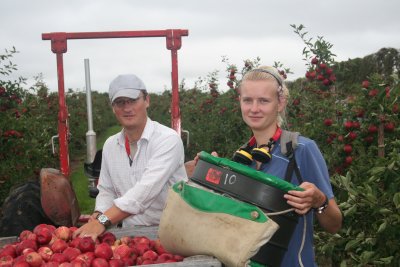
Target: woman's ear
[[282, 104]]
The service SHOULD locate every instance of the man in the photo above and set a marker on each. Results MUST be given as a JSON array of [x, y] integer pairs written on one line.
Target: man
[[139, 163]]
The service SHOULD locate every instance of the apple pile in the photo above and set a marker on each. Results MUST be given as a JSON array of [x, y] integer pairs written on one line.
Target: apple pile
[[50, 246]]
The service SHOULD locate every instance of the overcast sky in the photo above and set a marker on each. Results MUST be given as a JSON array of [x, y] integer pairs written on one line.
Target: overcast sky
[[237, 29]]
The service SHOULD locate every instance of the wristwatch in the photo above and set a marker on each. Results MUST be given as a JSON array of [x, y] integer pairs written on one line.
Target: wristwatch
[[321, 209], [104, 220]]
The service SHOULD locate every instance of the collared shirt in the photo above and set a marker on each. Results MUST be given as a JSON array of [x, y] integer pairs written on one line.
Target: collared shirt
[[141, 188], [314, 170]]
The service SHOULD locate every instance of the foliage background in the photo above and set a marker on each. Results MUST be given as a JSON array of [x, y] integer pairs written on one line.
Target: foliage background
[[342, 112]]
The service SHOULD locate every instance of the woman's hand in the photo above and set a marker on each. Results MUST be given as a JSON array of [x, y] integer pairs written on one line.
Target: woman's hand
[[303, 201], [190, 165]]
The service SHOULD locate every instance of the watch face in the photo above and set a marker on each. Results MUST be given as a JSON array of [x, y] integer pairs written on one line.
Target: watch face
[[102, 219]]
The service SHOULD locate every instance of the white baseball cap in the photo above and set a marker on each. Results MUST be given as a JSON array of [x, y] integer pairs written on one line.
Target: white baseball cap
[[126, 85]]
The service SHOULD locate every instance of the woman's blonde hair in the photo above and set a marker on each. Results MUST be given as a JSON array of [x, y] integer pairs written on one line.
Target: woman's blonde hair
[[270, 73]]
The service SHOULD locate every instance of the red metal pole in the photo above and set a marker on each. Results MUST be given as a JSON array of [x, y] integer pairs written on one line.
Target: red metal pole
[[59, 46], [175, 111], [62, 119], [174, 43]]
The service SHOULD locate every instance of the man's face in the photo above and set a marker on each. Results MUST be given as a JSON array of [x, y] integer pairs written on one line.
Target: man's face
[[131, 113]]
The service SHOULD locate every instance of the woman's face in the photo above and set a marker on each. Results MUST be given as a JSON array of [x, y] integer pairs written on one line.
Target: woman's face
[[260, 105]]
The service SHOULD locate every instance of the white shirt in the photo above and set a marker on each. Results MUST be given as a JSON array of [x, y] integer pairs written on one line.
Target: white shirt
[[141, 189]]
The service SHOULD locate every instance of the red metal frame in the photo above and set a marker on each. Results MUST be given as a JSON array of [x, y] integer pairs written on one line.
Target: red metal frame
[[59, 46]]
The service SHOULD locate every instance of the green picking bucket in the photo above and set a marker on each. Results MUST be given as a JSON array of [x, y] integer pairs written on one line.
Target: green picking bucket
[[255, 187]]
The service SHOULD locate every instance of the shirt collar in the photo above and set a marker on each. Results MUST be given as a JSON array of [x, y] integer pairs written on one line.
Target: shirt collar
[[147, 132]]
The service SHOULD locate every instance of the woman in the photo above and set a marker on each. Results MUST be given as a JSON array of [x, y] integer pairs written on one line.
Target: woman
[[263, 99]]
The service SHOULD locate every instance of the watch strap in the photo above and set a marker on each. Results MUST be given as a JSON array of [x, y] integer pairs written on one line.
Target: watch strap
[[321, 209]]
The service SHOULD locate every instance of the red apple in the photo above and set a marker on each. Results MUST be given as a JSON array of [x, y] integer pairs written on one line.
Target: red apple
[[150, 255], [328, 122], [59, 257], [327, 82], [142, 248], [86, 244], [126, 240], [20, 264], [41, 226], [27, 250], [395, 108], [365, 84], [58, 246], [348, 125], [71, 253], [65, 264], [6, 261], [178, 257], [373, 92], [352, 135], [8, 250], [116, 263], [314, 60], [147, 262], [107, 237], [356, 124], [104, 251], [368, 139], [34, 259], [51, 264], [348, 160], [389, 127], [19, 258], [63, 232], [75, 242], [123, 251], [158, 247], [100, 262], [164, 257], [129, 261], [79, 263], [45, 252], [73, 229], [44, 235], [141, 240], [139, 260], [25, 244], [27, 234], [329, 140], [347, 149], [86, 257], [372, 129]]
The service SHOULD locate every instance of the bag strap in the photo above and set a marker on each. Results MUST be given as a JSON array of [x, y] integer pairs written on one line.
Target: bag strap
[[289, 142]]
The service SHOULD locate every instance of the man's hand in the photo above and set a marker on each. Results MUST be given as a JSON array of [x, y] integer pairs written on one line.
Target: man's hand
[[93, 229], [94, 216]]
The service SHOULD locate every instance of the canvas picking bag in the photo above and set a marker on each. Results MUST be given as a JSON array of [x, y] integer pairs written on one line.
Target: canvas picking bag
[[197, 221]]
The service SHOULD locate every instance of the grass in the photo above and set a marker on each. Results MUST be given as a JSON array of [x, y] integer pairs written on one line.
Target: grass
[[79, 179]]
